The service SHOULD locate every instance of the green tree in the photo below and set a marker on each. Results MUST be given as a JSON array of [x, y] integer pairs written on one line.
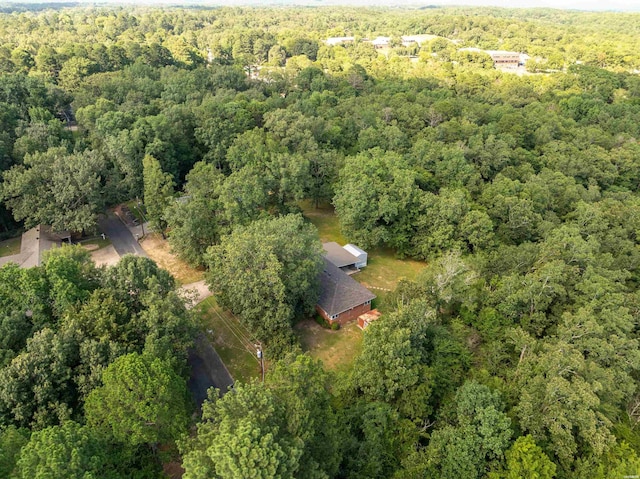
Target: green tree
[[72, 276], [243, 434], [374, 440], [391, 367], [70, 450], [527, 460], [267, 273], [196, 220], [133, 278], [482, 433], [302, 385], [158, 193], [37, 388], [73, 71], [221, 123], [22, 60], [12, 440], [560, 401], [620, 460], [142, 400], [277, 56], [285, 177], [56, 188], [375, 198]]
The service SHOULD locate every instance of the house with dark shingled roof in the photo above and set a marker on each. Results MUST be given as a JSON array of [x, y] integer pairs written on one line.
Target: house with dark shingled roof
[[342, 298]]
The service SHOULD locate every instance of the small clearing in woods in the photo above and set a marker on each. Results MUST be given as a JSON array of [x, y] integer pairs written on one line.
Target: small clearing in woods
[[383, 270], [10, 247], [336, 349], [325, 219], [159, 250]]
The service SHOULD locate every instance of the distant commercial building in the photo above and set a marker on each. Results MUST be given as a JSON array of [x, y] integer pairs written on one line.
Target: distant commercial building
[[331, 41], [407, 40], [381, 42], [501, 58], [504, 59]]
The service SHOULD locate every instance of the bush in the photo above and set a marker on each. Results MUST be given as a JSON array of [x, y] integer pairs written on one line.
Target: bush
[[335, 326], [322, 322]]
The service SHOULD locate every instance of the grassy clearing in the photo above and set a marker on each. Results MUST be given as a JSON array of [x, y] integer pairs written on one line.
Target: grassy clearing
[[383, 270], [336, 349], [10, 247], [159, 250], [96, 243], [229, 339], [325, 220]]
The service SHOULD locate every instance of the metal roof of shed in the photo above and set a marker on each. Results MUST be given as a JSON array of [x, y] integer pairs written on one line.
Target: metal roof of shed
[[338, 255], [354, 250]]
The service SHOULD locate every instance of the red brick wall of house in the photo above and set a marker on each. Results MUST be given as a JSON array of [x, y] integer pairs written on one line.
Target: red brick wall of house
[[347, 316]]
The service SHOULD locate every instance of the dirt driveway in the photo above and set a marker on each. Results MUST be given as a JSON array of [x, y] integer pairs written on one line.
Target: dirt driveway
[[197, 291], [107, 256]]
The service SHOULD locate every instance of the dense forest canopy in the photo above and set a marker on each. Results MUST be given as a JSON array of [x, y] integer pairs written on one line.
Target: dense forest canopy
[[515, 353]]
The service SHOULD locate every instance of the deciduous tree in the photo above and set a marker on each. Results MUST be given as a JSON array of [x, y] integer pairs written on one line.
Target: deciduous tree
[[158, 193], [142, 401]]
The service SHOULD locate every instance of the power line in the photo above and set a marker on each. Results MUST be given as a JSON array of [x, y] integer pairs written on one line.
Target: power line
[[235, 326], [237, 331]]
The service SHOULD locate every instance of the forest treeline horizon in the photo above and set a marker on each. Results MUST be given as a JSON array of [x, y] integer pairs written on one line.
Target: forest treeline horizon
[[514, 353]]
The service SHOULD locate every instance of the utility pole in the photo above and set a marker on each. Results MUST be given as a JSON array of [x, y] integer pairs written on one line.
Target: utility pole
[[141, 214], [261, 358]]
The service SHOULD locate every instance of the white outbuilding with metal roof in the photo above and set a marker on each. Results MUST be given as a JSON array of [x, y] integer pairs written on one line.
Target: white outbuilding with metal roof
[[358, 253]]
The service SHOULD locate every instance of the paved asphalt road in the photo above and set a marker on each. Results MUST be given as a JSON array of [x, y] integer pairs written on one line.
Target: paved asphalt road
[[207, 369], [120, 236]]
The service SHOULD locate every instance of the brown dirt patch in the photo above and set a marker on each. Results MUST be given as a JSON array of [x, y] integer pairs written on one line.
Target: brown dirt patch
[[159, 250], [106, 256], [173, 469]]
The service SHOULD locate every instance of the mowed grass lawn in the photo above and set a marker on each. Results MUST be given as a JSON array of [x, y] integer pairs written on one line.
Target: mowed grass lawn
[[336, 349], [383, 270], [95, 243], [10, 247], [230, 340], [325, 220]]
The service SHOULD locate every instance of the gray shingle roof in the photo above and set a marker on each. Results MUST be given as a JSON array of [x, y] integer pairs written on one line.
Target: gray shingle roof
[[34, 242], [338, 255], [339, 292]]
